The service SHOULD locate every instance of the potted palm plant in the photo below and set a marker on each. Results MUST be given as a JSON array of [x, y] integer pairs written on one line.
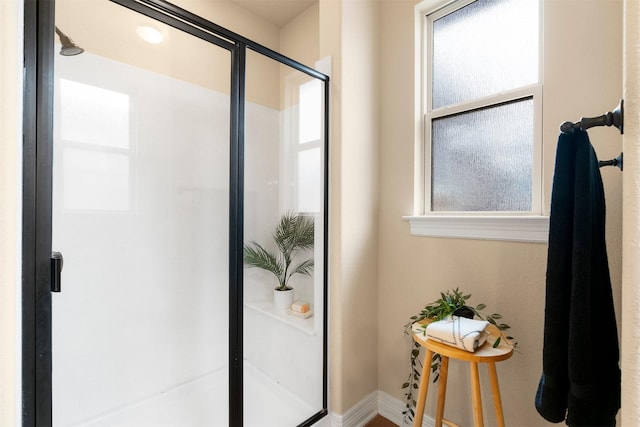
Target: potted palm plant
[[293, 235]]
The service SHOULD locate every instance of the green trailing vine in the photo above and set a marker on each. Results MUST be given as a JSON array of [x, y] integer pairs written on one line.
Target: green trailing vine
[[450, 302]]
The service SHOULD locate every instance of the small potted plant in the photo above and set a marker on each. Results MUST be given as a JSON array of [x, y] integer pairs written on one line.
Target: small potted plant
[[293, 235], [450, 303]]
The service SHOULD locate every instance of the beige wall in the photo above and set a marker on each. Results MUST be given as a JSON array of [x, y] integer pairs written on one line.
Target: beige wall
[[631, 219], [358, 200], [10, 194], [299, 38], [582, 77], [299, 41], [348, 33]]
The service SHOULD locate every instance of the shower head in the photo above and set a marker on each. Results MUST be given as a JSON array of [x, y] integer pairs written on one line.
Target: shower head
[[69, 48]]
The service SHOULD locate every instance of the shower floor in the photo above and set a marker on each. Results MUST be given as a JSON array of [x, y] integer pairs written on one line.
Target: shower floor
[[204, 403]]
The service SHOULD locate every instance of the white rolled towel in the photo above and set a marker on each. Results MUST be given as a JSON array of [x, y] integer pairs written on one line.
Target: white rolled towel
[[467, 334]]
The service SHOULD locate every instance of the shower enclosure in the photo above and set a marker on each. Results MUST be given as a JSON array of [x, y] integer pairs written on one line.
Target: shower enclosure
[[173, 142]]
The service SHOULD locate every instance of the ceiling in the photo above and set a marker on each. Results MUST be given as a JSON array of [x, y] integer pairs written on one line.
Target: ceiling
[[278, 12]]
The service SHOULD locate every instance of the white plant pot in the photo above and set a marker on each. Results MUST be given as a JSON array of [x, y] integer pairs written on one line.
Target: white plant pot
[[282, 300]]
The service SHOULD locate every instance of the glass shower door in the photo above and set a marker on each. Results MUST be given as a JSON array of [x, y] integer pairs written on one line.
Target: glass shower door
[[141, 214], [285, 196]]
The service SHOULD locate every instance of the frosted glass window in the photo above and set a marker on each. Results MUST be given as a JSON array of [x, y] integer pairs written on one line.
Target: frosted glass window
[[482, 159], [93, 115], [484, 48], [310, 111], [309, 177], [95, 180]]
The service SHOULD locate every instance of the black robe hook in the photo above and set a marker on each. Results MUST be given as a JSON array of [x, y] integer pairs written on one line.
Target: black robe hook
[[613, 162]]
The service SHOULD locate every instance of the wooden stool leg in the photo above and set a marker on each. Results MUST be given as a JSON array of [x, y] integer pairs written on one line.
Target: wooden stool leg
[[442, 390], [477, 399], [422, 390], [495, 389]]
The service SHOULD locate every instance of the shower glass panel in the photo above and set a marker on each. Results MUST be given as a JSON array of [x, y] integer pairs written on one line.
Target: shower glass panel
[[141, 214], [284, 201]]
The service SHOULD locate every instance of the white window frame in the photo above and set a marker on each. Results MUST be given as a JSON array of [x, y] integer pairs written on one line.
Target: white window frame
[[291, 146], [89, 147], [530, 226]]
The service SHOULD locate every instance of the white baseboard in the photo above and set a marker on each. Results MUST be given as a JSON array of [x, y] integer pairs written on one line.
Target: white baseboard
[[358, 415], [377, 402], [390, 407]]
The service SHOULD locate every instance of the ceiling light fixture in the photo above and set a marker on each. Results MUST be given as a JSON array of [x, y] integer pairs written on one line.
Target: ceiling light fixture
[[150, 34]]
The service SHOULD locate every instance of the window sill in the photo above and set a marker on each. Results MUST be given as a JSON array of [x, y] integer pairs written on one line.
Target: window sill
[[510, 228]]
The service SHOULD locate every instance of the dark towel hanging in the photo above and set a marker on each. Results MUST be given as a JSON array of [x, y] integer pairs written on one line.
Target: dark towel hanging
[[580, 377]]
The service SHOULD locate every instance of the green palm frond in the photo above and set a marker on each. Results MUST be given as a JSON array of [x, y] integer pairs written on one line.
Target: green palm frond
[[306, 267], [282, 232], [257, 256], [294, 232], [304, 232]]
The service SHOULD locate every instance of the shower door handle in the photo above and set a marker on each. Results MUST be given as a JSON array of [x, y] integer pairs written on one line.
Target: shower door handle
[[56, 268]]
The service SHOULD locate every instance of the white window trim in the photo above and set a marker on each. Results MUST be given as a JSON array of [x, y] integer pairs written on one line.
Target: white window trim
[[290, 146], [513, 228], [530, 226]]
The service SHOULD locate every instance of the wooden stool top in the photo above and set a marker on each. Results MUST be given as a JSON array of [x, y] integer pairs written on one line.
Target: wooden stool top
[[486, 352]]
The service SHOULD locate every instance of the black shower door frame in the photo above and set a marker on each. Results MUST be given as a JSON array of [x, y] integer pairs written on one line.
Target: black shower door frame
[[39, 24]]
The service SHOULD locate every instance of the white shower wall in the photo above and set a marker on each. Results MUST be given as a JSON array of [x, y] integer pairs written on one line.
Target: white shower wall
[[144, 302]]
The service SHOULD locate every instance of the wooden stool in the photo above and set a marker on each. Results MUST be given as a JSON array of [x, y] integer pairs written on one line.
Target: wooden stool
[[485, 354]]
